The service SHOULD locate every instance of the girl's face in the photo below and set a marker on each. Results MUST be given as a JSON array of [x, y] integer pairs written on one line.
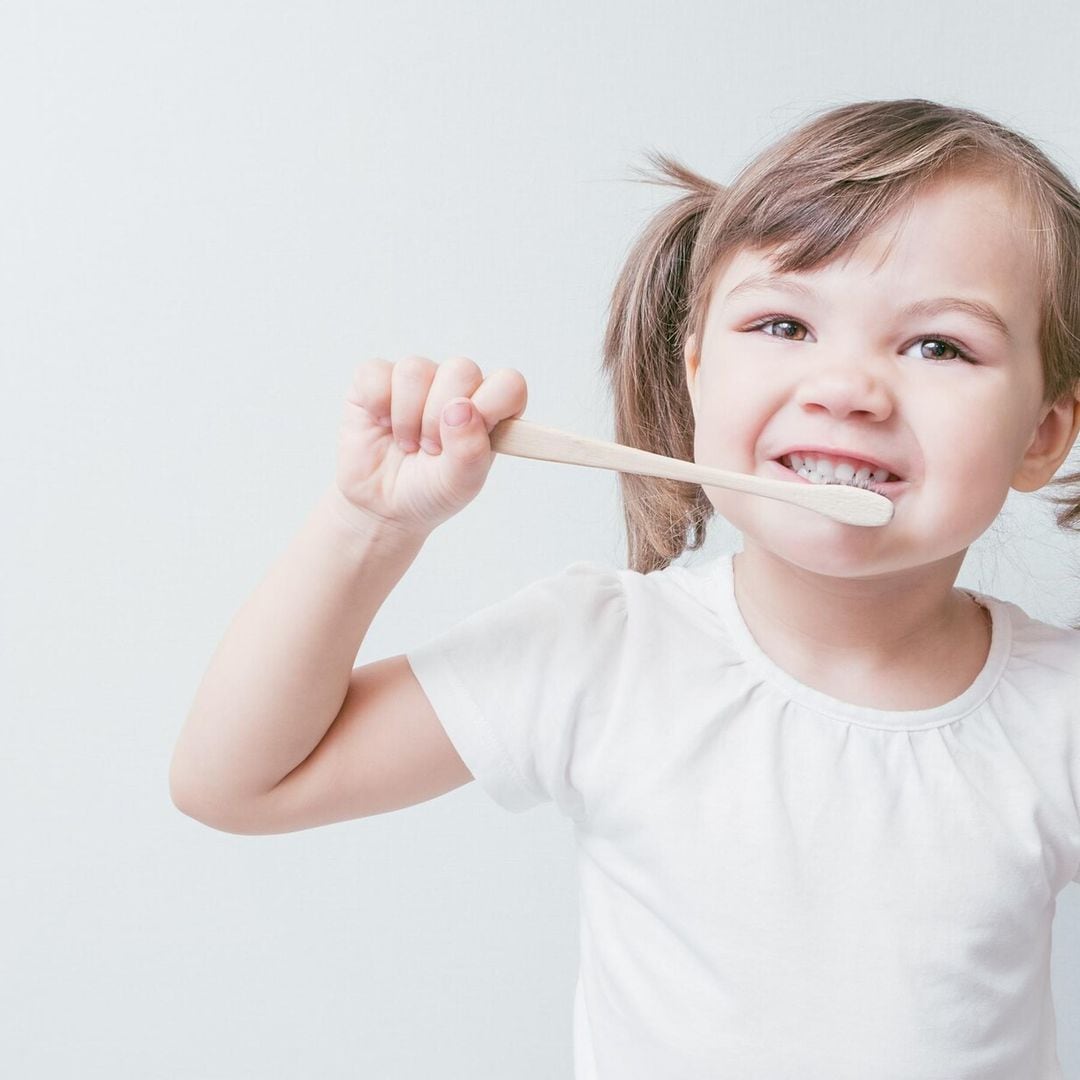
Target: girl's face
[[844, 358]]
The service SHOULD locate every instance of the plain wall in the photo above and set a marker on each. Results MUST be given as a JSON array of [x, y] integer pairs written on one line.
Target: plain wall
[[210, 213]]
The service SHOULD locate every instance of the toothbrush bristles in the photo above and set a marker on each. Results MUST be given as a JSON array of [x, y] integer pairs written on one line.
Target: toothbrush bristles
[[866, 485]]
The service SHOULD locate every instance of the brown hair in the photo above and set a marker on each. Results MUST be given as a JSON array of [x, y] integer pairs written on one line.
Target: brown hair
[[812, 195]]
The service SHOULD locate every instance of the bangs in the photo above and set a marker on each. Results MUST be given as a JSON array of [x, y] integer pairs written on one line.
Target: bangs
[[810, 211], [806, 230]]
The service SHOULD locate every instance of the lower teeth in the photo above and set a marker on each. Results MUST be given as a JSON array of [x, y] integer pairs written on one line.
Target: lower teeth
[[815, 478]]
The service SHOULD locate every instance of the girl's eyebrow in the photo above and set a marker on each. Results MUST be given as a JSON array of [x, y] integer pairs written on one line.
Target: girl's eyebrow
[[977, 309]]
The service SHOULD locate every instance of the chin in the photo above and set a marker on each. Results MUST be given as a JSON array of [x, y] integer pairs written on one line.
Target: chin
[[817, 559], [833, 549]]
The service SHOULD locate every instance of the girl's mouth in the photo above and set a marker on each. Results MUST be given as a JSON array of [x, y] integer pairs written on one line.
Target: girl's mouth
[[890, 489]]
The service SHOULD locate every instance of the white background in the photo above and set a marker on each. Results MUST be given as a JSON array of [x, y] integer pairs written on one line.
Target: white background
[[209, 213]]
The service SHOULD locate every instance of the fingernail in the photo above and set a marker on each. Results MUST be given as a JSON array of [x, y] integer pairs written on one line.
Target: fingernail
[[457, 413]]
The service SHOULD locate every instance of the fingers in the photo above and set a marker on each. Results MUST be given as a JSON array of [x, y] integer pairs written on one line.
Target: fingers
[[503, 393], [409, 397], [410, 382], [370, 389]]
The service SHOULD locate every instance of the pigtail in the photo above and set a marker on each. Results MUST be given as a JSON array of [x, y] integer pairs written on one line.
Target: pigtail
[[643, 360]]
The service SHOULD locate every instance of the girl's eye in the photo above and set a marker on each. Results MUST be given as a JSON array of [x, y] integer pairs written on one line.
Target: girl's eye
[[778, 322], [940, 350]]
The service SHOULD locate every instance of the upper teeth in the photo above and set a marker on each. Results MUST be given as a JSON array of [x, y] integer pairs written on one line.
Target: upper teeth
[[820, 469]]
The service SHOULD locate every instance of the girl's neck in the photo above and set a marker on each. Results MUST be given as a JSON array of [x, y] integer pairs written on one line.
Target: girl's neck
[[887, 643]]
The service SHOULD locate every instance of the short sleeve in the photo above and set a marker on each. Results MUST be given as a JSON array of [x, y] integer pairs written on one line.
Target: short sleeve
[[522, 686]]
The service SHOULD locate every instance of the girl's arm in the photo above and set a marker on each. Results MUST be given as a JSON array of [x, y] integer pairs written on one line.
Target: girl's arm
[[279, 677], [260, 751]]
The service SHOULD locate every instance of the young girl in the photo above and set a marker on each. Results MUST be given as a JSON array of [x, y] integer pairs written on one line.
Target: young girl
[[823, 799]]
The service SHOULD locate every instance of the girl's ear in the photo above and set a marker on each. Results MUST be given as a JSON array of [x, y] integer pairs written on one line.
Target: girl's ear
[[691, 359], [1050, 445]]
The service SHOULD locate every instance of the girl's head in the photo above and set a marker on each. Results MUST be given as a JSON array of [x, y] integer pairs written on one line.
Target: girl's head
[[870, 212]]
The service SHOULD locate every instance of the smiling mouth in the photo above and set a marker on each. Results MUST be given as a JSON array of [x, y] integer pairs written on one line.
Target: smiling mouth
[[887, 487]]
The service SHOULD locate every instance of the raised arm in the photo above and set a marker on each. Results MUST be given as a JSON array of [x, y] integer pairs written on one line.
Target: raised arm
[[280, 718]]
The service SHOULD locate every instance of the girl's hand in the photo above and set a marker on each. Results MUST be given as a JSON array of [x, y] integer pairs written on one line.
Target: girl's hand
[[399, 459]]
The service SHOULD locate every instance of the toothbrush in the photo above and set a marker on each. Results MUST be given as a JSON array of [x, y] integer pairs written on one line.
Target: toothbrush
[[521, 438]]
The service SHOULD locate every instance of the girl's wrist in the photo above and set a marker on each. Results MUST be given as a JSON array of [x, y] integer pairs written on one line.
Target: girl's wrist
[[369, 528]]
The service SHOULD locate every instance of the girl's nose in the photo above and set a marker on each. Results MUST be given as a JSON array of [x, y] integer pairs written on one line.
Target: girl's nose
[[844, 390]]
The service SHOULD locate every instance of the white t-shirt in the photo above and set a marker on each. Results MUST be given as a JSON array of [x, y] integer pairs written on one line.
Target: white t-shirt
[[776, 884]]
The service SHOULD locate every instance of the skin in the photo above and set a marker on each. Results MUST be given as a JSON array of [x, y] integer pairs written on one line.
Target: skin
[[871, 615]]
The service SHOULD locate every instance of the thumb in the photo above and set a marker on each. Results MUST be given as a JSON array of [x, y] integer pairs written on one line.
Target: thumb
[[464, 433]]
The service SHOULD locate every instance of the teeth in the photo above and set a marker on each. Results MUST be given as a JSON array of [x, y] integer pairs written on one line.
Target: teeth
[[861, 479], [820, 470]]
